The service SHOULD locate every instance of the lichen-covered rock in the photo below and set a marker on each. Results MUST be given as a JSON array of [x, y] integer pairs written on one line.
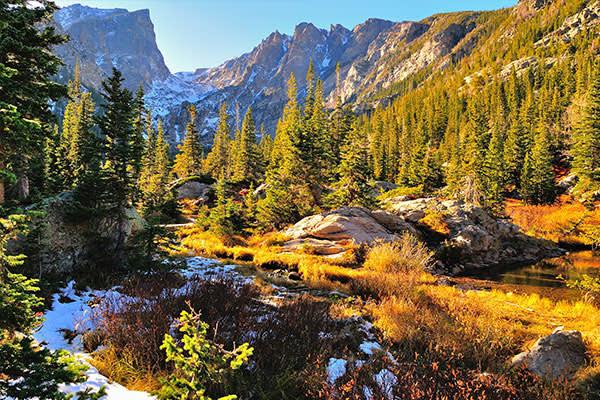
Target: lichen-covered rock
[[560, 354]]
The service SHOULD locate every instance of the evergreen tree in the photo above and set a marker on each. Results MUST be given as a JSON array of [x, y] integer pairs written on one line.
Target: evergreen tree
[[117, 127], [218, 160], [493, 172], [188, 161], [586, 146], [138, 143], [26, 65], [245, 163], [514, 152], [265, 147], [354, 170], [155, 174], [538, 184]]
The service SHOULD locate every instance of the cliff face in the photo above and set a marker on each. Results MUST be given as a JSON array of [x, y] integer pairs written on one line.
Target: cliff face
[[101, 39]]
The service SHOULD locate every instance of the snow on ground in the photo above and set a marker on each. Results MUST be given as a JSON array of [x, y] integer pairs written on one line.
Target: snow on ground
[[69, 314], [370, 347], [335, 369]]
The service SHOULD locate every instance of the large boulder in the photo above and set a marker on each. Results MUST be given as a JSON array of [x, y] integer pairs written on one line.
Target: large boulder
[[474, 238], [560, 354], [567, 183], [350, 225], [71, 241], [194, 190]]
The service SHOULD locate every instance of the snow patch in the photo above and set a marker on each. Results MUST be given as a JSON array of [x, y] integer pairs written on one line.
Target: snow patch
[[166, 96], [370, 347], [335, 369], [68, 315]]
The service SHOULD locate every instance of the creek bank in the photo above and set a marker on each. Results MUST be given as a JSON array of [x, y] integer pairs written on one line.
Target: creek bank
[[463, 236]]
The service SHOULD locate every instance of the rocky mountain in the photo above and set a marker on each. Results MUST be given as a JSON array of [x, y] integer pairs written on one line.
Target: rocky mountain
[[101, 39], [376, 58]]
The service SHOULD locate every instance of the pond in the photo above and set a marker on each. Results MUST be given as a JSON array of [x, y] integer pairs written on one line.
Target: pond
[[541, 277]]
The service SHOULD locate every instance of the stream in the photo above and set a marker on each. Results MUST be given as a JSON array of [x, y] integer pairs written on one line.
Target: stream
[[541, 277]]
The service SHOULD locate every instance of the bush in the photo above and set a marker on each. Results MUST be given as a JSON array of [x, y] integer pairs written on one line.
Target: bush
[[405, 256], [197, 360]]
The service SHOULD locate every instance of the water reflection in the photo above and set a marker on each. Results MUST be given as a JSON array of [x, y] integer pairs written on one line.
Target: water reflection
[[544, 273]]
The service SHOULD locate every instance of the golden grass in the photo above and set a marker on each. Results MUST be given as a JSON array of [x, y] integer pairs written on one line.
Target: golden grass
[[567, 220], [124, 369], [436, 221], [486, 327]]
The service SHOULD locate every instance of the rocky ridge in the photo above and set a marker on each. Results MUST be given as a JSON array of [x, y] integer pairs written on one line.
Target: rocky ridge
[[471, 238]]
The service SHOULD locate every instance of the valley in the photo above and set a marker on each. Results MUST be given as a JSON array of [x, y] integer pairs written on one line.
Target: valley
[[394, 210]]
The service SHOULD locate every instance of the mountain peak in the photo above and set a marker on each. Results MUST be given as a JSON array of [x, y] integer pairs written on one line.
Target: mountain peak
[[74, 13]]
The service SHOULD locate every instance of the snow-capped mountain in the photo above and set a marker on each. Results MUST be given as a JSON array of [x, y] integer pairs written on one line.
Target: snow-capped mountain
[[372, 56]]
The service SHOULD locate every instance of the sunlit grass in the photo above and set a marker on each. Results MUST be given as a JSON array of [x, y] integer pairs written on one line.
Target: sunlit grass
[[567, 220]]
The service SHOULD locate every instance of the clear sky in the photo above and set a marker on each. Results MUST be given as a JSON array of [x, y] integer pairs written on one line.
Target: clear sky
[[203, 33]]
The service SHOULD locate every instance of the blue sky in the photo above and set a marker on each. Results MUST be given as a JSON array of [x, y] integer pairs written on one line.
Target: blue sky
[[204, 33]]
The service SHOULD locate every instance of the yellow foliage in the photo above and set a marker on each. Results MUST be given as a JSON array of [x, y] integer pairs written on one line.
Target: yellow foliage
[[567, 220], [125, 370]]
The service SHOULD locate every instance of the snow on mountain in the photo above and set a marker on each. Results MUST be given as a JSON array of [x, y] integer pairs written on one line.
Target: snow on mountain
[[163, 96]]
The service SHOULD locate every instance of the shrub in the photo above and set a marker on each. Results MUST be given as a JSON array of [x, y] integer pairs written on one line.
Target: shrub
[[405, 256], [197, 360]]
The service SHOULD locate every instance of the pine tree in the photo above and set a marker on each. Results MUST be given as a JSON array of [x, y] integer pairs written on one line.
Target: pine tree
[[117, 127], [155, 174], [137, 140], [493, 172], [265, 147], [188, 162], [218, 160], [244, 163], [514, 152], [538, 184], [285, 157], [586, 146], [26, 66], [354, 169]]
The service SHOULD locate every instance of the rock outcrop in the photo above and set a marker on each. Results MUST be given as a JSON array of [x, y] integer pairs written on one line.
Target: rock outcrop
[[474, 239], [327, 233], [583, 20], [194, 190], [101, 39], [470, 237], [68, 243], [560, 354]]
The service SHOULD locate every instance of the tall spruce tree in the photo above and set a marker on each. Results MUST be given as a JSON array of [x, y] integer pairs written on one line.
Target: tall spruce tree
[[26, 65], [188, 162], [538, 184], [217, 162], [117, 127], [586, 146], [245, 162], [354, 170]]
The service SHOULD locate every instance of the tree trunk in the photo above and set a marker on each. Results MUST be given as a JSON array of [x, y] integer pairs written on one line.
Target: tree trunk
[[22, 185], [1, 192]]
